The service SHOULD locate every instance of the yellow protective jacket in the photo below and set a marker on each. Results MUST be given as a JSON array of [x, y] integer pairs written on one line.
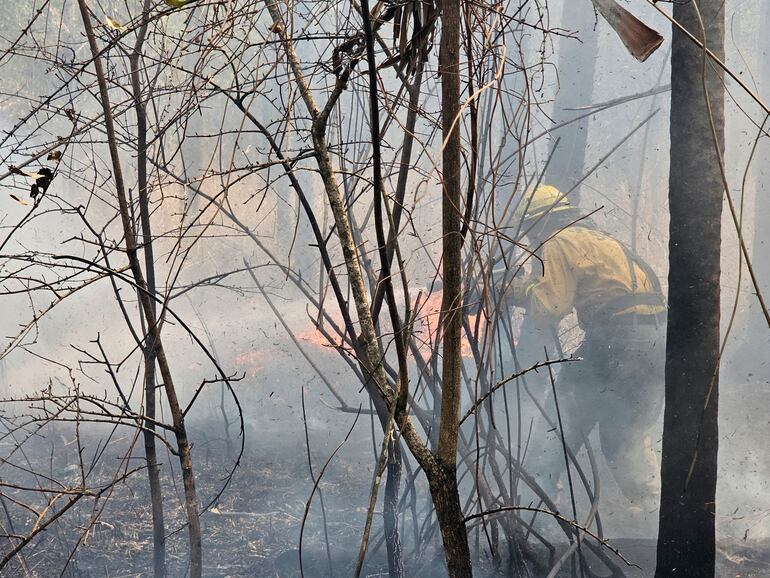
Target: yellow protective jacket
[[592, 273]]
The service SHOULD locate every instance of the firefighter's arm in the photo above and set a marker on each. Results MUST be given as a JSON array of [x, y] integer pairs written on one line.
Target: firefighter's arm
[[551, 296]]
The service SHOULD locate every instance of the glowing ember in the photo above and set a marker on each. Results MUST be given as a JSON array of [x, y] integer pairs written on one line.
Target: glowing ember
[[316, 338], [252, 362]]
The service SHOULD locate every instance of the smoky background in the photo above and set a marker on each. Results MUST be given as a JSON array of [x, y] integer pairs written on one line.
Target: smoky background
[[239, 269]]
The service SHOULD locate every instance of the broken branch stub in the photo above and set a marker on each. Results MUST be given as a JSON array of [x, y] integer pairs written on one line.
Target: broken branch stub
[[638, 38]]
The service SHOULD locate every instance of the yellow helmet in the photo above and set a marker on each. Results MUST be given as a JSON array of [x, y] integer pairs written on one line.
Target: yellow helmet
[[539, 201]]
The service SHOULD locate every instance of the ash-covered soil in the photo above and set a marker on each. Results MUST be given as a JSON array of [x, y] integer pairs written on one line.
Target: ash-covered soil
[[256, 520], [253, 529]]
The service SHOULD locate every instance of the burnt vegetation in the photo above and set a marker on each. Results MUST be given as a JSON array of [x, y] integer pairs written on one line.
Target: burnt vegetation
[[394, 288]]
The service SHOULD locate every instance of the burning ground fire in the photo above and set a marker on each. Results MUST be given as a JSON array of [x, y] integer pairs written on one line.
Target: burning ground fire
[[428, 313]]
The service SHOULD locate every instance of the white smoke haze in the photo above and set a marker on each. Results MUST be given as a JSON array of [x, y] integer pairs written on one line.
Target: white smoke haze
[[242, 286]]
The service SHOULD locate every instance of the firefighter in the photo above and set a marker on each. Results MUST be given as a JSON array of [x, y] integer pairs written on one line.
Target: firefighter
[[621, 309]]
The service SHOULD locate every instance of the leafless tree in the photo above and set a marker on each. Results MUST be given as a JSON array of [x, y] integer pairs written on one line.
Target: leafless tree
[[325, 137]]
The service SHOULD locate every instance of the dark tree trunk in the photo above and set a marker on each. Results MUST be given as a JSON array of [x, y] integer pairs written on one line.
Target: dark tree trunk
[[443, 481], [446, 500], [150, 449], [575, 65], [390, 511], [686, 540], [148, 305]]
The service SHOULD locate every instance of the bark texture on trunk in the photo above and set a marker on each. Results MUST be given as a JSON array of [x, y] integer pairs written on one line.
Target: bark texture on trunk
[[443, 481], [390, 510], [446, 500], [686, 540], [451, 211]]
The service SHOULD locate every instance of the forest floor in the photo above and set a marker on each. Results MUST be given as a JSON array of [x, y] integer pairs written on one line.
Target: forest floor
[[254, 523], [253, 530]]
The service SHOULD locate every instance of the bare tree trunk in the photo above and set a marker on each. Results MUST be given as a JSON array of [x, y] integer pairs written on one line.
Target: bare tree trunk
[[446, 500], [686, 539], [183, 445], [390, 510], [440, 469], [150, 451], [443, 487], [576, 63], [393, 479]]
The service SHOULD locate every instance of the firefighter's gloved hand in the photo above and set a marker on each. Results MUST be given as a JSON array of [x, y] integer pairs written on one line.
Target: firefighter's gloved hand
[[518, 294]]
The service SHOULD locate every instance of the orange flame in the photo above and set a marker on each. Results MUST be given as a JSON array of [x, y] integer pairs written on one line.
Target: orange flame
[[428, 311]]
